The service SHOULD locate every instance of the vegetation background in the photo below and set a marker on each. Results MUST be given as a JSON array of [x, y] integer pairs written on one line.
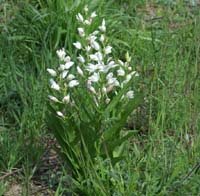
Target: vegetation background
[[163, 38]]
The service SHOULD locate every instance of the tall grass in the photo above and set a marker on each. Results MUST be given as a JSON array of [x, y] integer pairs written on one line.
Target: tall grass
[[163, 39]]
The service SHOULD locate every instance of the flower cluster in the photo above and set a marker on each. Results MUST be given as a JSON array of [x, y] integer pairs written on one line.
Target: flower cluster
[[94, 68]]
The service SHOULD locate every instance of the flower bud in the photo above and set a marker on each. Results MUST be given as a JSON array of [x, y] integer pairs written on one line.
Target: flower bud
[[52, 72], [66, 99]]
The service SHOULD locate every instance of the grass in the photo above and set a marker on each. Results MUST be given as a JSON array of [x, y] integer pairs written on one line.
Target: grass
[[163, 40]]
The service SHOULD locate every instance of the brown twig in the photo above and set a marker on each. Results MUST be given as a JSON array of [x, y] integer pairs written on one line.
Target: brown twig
[[10, 173]]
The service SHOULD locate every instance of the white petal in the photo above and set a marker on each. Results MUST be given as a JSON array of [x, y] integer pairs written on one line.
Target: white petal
[[121, 62], [70, 77], [86, 8], [93, 15], [73, 83], [108, 50], [66, 99], [54, 85], [60, 114], [52, 72], [94, 77], [81, 32], [91, 67], [88, 48], [61, 53], [120, 72], [93, 57], [67, 59], [53, 98], [77, 45], [79, 17], [92, 89], [81, 59], [130, 94], [68, 65], [88, 22], [64, 73], [109, 76], [79, 70], [102, 38], [95, 45]]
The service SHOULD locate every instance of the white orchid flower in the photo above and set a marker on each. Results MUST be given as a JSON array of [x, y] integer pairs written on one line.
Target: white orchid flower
[[60, 114], [52, 98], [61, 54], [94, 78], [79, 17], [81, 31], [108, 50], [77, 45], [70, 77], [52, 72], [130, 94], [66, 99], [81, 59], [54, 85], [73, 83]]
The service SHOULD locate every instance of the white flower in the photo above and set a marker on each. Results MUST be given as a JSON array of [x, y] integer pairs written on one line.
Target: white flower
[[66, 99], [93, 57], [91, 67], [110, 75], [77, 45], [120, 72], [130, 94], [121, 62], [94, 77], [68, 65], [73, 83], [81, 59], [104, 90], [92, 89], [67, 59], [61, 54], [70, 77], [99, 56], [79, 17], [54, 85], [103, 26], [135, 73], [53, 98], [107, 100], [93, 15], [88, 22], [130, 68], [108, 50], [102, 38], [113, 81], [86, 8], [128, 77], [60, 114], [95, 33], [52, 72], [109, 88], [91, 38], [112, 64], [95, 45], [81, 32], [79, 70], [62, 67], [87, 48], [64, 73]]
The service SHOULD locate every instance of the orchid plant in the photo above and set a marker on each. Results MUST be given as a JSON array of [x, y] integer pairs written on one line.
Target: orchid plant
[[91, 95]]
